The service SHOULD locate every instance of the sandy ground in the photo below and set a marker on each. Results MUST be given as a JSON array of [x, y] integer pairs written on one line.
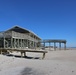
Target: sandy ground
[[55, 63]]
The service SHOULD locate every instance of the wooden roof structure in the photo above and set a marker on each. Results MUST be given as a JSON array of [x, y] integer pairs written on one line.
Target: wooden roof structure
[[54, 40], [20, 30]]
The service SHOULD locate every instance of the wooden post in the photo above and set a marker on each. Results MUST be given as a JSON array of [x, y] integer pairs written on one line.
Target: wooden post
[[4, 42], [21, 43], [24, 43], [54, 45], [33, 43], [44, 45], [11, 42], [59, 45], [18, 43], [14, 42], [64, 46], [24, 54], [21, 54], [43, 56], [1, 51], [49, 46], [27, 43]]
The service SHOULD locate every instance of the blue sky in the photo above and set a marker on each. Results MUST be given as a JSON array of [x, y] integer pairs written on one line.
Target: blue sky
[[49, 19]]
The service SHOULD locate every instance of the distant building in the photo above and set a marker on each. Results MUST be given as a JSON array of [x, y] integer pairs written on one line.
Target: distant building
[[18, 37]]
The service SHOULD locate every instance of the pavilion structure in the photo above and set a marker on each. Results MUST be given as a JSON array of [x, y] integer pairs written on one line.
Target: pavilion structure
[[19, 38], [54, 41]]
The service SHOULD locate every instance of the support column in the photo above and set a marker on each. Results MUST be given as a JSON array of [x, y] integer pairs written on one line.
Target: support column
[[24, 43], [49, 45], [54, 45], [59, 45], [33, 44], [14, 42], [11, 42], [64, 46], [44, 45], [21, 43], [33, 41], [27, 43], [4, 42], [21, 54], [24, 54], [18, 43]]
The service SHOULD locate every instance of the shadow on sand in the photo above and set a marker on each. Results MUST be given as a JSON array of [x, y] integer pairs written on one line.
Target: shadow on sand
[[30, 71], [18, 56]]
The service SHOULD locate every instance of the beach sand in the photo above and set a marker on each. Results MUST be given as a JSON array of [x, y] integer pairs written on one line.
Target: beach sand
[[59, 62]]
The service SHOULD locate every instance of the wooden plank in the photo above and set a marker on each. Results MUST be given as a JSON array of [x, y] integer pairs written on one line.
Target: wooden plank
[[24, 51]]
